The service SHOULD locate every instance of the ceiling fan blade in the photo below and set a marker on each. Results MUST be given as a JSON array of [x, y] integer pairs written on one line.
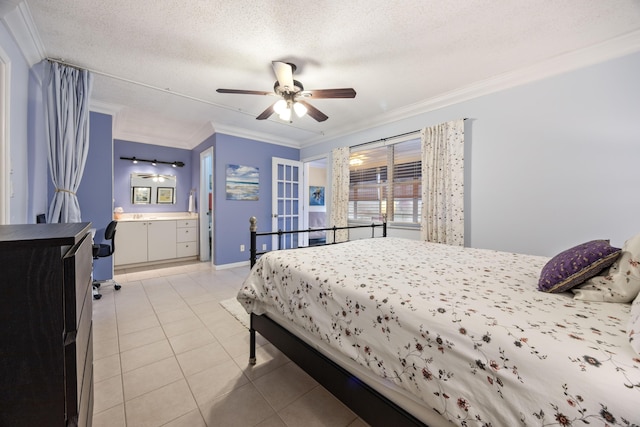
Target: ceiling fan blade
[[244, 92], [284, 74], [266, 113], [331, 93], [313, 111]]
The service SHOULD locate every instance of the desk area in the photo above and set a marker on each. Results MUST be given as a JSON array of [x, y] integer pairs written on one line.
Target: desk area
[[152, 238]]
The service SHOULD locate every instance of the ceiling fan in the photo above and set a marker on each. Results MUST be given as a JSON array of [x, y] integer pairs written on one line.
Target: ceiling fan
[[292, 93]]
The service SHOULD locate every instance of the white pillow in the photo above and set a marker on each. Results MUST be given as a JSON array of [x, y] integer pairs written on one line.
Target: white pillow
[[620, 283], [633, 329]]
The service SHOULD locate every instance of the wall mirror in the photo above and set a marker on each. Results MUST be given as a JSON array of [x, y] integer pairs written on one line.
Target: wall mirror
[[149, 188]]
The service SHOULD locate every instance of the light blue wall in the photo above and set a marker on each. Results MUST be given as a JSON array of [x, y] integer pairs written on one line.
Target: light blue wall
[[231, 217], [18, 108], [548, 164], [96, 188], [122, 170]]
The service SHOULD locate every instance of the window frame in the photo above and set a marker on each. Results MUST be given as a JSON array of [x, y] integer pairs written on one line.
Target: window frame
[[388, 186]]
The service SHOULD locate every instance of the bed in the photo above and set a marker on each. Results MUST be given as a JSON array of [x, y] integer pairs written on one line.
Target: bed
[[438, 334]]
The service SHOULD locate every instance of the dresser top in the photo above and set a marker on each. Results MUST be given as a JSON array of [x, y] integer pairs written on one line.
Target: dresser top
[[42, 234]]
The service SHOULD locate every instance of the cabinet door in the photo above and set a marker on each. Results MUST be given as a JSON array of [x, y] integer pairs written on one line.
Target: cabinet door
[[131, 242], [161, 236]]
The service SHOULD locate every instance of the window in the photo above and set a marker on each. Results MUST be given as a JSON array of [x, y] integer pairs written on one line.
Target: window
[[386, 180]]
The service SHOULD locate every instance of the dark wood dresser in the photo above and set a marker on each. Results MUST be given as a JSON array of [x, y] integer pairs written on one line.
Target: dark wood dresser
[[46, 347]]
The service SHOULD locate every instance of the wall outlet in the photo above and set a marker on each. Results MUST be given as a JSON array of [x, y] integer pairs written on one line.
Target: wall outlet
[[264, 246], [241, 248]]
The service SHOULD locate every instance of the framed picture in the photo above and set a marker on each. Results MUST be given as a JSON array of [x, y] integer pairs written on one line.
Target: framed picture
[[243, 182], [165, 195], [140, 195], [316, 196]]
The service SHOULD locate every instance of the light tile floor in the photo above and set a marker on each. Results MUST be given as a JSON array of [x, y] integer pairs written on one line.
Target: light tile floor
[[167, 354]]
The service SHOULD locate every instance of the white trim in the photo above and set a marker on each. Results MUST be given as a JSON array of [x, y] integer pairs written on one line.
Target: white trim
[[146, 138], [201, 134], [601, 52], [23, 29], [104, 107], [5, 137], [276, 213], [203, 216], [256, 136], [232, 265]]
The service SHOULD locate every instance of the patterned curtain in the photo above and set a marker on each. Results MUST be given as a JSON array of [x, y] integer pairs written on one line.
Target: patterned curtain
[[339, 193], [443, 183]]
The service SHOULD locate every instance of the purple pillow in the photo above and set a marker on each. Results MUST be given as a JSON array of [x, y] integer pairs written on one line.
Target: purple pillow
[[573, 266]]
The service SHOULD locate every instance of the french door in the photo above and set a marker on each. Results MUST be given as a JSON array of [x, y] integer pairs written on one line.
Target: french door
[[286, 204]]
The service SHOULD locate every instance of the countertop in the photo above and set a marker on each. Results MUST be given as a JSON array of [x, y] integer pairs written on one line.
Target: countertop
[[159, 216]]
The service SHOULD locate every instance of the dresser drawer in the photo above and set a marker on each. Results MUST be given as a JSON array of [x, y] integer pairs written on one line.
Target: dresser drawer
[[85, 390], [186, 234], [186, 223], [83, 334], [186, 249], [77, 264]]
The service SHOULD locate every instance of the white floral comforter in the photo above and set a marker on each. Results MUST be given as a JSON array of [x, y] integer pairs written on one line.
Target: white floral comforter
[[463, 329]]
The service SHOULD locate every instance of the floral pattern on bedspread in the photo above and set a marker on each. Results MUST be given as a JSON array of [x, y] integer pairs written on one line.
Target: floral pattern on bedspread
[[465, 330]]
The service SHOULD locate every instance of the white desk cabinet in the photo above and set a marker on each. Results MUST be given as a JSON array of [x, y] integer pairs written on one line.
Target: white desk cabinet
[[140, 242]]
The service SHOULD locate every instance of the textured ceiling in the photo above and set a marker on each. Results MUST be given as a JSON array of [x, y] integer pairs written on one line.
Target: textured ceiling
[[158, 63]]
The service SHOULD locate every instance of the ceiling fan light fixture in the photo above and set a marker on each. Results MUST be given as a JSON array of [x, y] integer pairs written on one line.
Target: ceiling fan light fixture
[[300, 109], [289, 90], [285, 114], [280, 106]]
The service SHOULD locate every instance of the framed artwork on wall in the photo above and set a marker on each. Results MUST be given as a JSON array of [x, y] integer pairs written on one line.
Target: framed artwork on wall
[[243, 182], [316, 196], [140, 195], [165, 195]]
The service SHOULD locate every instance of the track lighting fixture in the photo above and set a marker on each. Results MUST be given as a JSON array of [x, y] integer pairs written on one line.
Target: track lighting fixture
[[154, 162]]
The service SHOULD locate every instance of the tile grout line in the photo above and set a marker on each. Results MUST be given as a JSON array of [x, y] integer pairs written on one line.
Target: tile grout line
[[197, 283]]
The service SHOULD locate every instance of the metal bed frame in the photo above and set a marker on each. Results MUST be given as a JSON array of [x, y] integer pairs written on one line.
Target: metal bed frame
[[366, 402]]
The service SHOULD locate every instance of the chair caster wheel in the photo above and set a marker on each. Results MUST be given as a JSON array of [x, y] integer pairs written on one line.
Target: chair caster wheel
[[117, 287], [97, 296]]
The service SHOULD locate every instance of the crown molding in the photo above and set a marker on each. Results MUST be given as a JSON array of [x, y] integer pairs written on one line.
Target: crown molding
[[23, 29], [146, 138], [104, 107], [615, 48], [256, 136], [201, 134]]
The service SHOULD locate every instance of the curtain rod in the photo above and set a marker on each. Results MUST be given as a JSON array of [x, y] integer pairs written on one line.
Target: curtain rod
[[61, 62], [169, 91], [123, 79], [391, 137]]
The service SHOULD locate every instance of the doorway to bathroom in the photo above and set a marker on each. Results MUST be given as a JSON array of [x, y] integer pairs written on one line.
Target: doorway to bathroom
[[205, 206]]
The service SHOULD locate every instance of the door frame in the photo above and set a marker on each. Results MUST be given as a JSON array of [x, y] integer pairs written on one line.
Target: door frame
[[206, 163], [320, 162], [5, 156], [275, 213]]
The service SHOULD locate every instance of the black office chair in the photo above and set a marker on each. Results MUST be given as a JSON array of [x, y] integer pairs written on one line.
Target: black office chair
[[104, 250]]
